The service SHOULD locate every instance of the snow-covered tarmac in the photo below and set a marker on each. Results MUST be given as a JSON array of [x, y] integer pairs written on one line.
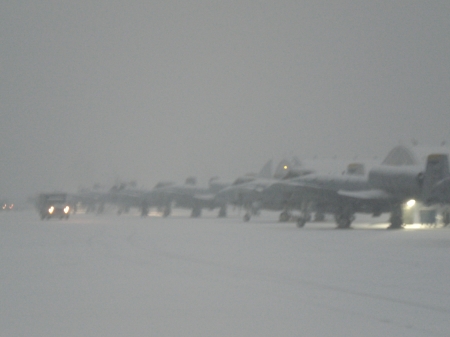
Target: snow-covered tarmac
[[131, 276]]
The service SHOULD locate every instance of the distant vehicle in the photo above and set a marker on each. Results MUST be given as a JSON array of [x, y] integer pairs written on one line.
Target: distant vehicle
[[53, 205]]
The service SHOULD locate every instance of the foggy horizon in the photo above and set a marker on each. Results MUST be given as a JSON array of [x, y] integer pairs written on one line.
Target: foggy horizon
[[94, 92]]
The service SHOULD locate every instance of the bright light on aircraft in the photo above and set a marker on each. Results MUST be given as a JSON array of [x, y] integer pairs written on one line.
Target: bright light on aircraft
[[51, 209], [66, 209], [410, 203], [285, 167]]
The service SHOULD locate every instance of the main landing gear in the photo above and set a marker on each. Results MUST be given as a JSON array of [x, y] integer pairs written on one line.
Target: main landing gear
[[251, 209], [145, 208], [301, 221], [344, 221], [396, 217], [247, 217], [344, 217], [222, 211], [285, 216], [196, 212], [305, 215], [166, 212]]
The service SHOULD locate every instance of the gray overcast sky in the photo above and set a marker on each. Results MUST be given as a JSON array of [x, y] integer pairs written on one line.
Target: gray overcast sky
[[91, 91]]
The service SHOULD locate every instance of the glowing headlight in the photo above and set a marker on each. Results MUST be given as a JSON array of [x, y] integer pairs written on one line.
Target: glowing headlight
[[410, 203], [66, 209], [51, 209]]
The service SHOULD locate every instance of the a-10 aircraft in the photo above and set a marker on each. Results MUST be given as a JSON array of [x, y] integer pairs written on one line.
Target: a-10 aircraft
[[260, 194], [251, 195], [123, 195], [164, 196], [384, 190], [190, 196], [90, 199]]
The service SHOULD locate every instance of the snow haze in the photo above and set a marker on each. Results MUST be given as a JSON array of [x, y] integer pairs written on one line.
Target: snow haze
[[161, 90]]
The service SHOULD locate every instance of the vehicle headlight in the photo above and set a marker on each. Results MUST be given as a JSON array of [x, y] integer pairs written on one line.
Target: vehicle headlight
[[51, 209], [66, 209]]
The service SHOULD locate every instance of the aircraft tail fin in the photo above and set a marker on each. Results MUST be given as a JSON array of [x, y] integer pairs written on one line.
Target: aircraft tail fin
[[266, 171], [437, 169], [282, 169], [296, 162]]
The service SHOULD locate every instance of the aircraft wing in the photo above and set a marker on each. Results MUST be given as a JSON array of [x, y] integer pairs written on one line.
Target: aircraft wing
[[204, 197], [366, 194], [298, 187], [126, 197], [304, 187], [202, 200], [301, 190]]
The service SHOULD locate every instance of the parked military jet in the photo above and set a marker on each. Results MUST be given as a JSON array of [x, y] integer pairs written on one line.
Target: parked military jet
[[250, 195], [125, 197], [385, 189], [89, 199], [193, 197], [190, 196]]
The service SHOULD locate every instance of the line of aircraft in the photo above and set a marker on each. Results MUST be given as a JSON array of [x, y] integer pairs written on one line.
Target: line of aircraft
[[384, 188]]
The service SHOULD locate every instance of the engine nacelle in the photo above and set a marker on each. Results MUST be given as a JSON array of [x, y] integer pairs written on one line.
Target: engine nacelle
[[398, 180]]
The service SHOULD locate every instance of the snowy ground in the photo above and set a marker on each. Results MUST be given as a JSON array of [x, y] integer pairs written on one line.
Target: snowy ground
[[130, 276]]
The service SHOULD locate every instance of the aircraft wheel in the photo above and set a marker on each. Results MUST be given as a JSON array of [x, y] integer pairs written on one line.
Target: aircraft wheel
[[222, 212], [196, 212], [396, 222], [344, 224], [101, 208], [167, 212], [446, 218], [144, 210], [301, 221], [284, 216], [343, 221], [319, 217]]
